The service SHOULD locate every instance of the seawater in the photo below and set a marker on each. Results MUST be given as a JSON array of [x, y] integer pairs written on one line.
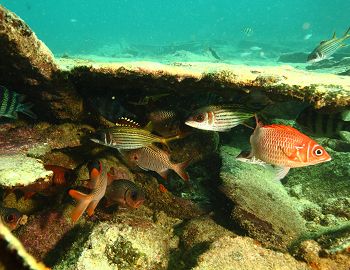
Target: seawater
[[182, 30]]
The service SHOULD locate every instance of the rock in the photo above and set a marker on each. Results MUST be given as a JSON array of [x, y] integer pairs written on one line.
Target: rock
[[295, 57], [326, 185], [262, 205], [224, 79], [24, 58], [127, 242], [21, 170], [244, 253]]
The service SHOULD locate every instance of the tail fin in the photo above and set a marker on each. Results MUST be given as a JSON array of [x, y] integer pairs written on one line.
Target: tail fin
[[179, 168], [83, 203], [26, 109]]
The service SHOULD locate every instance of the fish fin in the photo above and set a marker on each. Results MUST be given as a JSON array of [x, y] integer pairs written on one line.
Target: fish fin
[[179, 168], [281, 172], [26, 109], [347, 33], [334, 35], [149, 126], [294, 155], [164, 174], [83, 203], [28, 195], [109, 203], [162, 188], [91, 208], [126, 122]]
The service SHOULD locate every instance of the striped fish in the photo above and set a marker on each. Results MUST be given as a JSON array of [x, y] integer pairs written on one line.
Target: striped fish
[[327, 47], [127, 137], [11, 104], [321, 124], [157, 160], [88, 202], [219, 118]]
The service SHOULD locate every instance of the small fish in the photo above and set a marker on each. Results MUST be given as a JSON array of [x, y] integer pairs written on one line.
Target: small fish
[[307, 36], [128, 137], [321, 124], [10, 217], [146, 100], [255, 48], [125, 193], [214, 54], [327, 48], [166, 122], [155, 159], [219, 118], [247, 31], [285, 147], [11, 104], [88, 202]]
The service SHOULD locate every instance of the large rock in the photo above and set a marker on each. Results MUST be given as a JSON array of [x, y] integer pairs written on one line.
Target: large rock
[[262, 205], [128, 242], [244, 253], [23, 56]]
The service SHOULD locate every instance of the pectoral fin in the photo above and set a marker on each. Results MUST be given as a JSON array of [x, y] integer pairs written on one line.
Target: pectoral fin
[[281, 172]]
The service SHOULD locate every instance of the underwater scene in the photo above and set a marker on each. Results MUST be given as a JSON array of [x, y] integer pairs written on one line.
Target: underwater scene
[[175, 135]]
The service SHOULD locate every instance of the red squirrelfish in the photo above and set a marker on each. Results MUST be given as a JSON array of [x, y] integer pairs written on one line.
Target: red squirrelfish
[[155, 159], [285, 147], [88, 202]]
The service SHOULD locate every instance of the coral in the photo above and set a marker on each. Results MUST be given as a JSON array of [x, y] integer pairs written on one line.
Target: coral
[[43, 232], [21, 170], [128, 241]]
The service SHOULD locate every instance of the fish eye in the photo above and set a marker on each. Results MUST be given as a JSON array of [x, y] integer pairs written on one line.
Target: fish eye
[[134, 195], [318, 152], [10, 218], [199, 117]]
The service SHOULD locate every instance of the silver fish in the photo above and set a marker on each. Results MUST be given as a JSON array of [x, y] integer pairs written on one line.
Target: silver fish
[[219, 118], [11, 104], [327, 47]]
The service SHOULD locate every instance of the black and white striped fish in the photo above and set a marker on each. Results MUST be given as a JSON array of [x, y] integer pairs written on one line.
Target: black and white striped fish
[[11, 104], [328, 47], [322, 124], [219, 118]]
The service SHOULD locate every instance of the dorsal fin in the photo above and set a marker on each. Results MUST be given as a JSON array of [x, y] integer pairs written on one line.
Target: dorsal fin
[[347, 33], [334, 35], [149, 126], [126, 122]]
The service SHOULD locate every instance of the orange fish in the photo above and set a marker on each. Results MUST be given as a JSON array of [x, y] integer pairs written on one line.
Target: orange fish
[[88, 202], [285, 147]]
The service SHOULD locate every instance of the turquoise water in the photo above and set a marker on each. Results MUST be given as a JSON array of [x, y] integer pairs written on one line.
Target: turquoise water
[[137, 29]]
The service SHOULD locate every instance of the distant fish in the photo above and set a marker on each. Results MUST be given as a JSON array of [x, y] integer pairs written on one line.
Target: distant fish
[[125, 193], [11, 104], [247, 31], [285, 147], [255, 48], [214, 54], [146, 100], [327, 48], [165, 122], [128, 137], [88, 202], [155, 159], [11, 217], [322, 124], [307, 36], [219, 118]]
